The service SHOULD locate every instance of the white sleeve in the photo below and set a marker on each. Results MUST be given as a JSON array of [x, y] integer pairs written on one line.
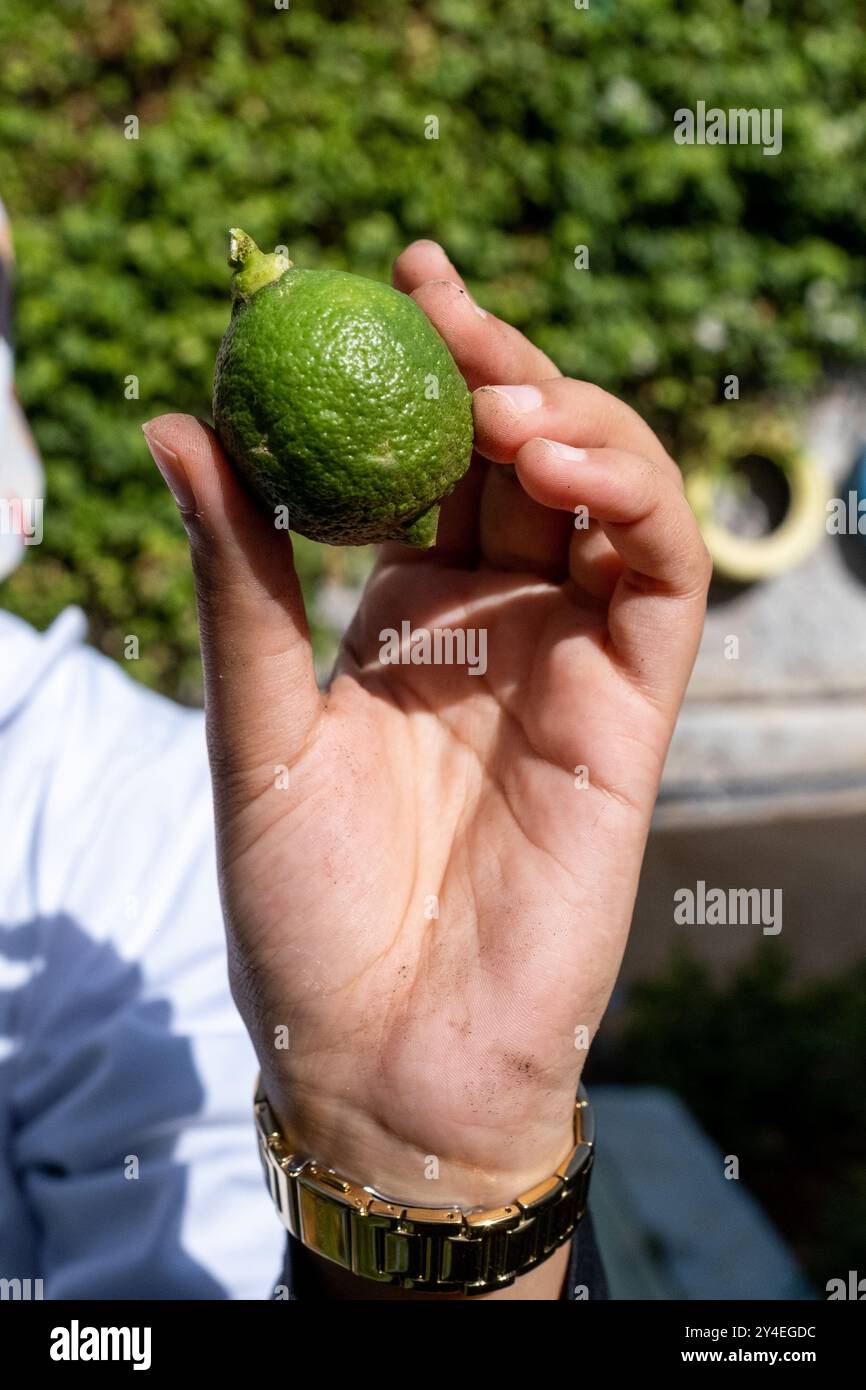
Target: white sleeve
[[126, 1076]]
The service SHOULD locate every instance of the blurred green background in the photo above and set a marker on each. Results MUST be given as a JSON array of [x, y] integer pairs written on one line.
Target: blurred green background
[[307, 127]]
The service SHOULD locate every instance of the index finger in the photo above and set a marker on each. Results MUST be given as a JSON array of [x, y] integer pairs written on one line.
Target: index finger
[[420, 261], [485, 349]]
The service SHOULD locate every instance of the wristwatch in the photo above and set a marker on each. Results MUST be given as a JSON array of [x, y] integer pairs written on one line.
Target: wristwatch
[[432, 1249]]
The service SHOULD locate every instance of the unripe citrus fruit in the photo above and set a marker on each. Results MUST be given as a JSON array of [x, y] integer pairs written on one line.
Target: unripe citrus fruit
[[336, 398]]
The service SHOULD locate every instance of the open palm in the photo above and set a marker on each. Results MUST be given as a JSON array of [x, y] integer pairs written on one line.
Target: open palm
[[428, 872]]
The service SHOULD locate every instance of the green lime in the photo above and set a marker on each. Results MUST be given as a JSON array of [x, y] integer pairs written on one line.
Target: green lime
[[338, 400]]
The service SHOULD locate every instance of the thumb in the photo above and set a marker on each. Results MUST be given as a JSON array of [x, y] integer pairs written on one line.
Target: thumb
[[260, 689]]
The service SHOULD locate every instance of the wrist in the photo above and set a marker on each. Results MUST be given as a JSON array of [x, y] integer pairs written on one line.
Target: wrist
[[488, 1173], [466, 1246]]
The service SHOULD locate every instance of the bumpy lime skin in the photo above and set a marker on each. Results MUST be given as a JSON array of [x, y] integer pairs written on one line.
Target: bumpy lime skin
[[336, 397]]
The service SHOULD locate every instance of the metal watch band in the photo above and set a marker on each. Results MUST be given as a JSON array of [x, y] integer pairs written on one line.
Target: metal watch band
[[432, 1249]]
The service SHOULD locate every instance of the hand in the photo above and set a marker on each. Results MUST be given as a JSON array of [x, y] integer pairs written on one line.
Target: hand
[[434, 906]]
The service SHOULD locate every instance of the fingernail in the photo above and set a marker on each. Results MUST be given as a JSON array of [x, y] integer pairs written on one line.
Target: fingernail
[[523, 398], [171, 469], [564, 451]]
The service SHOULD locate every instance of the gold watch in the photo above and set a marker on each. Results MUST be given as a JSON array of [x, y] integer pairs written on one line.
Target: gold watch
[[432, 1249]]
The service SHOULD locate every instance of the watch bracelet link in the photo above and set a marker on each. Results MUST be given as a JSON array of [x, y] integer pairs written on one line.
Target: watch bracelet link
[[428, 1249]]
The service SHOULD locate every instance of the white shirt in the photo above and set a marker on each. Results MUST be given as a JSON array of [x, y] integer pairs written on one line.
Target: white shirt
[[128, 1166]]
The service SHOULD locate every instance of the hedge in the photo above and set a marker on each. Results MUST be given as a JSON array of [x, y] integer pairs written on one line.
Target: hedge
[[309, 126]]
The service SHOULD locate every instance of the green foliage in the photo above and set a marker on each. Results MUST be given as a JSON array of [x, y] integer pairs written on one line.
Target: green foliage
[[307, 126], [775, 1071]]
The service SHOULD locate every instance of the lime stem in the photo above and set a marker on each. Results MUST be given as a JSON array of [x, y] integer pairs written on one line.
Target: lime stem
[[253, 268]]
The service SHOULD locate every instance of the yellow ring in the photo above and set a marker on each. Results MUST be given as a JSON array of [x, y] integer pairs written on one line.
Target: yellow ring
[[747, 559]]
